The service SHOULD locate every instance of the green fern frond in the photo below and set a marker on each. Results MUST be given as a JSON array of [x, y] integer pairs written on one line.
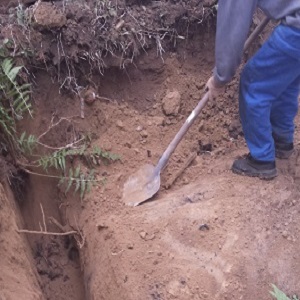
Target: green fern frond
[[18, 94], [7, 123], [280, 295], [82, 182], [57, 159], [14, 100], [27, 143], [97, 153]]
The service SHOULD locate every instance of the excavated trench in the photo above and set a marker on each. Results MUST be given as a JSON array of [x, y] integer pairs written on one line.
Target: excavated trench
[[210, 236], [63, 270], [56, 258]]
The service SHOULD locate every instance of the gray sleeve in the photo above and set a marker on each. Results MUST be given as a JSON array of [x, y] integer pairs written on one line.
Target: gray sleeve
[[233, 24]]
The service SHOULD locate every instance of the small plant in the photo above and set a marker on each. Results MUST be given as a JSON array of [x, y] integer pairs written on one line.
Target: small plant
[[16, 94], [14, 100], [96, 154], [82, 181], [279, 295], [27, 143]]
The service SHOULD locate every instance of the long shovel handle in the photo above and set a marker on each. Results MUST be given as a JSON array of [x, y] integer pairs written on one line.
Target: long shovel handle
[[190, 120], [178, 137], [260, 27]]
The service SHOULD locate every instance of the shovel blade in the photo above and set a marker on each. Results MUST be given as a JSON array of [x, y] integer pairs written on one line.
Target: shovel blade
[[141, 186]]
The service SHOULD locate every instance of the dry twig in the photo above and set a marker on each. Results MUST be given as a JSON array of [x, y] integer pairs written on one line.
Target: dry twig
[[46, 232], [188, 161]]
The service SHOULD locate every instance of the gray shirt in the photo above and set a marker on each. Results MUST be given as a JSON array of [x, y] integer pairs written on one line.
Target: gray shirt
[[233, 25]]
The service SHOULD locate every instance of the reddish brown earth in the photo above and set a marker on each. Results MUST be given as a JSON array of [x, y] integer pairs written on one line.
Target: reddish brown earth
[[212, 235]]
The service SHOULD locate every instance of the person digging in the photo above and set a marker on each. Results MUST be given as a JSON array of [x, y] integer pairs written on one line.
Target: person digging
[[269, 83]]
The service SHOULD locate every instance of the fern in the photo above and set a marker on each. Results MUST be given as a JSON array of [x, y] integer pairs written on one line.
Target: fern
[[76, 178], [27, 143], [7, 123], [57, 159], [279, 295], [14, 101], [18, 95], [97, 154], [81, 182], [4, 52]]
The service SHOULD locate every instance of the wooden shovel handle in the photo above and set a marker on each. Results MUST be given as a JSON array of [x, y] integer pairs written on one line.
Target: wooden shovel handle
[[256, 32], [178, 137]]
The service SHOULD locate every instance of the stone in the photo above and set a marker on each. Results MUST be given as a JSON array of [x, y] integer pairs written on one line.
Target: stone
[[101, 226], [158, 121], [128, 145], [171, 103], [168, 122], [120, 124], [144, 134], [201, 126], [143, 234], [119, 177], [107, 146], [89, 95], [48, 16], [200, 85], [130, 246]]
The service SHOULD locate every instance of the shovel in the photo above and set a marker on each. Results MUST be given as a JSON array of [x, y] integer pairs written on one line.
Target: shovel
[[145, 183]]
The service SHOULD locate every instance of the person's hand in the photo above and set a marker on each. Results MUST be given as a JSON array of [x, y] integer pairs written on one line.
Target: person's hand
[[214, 89]]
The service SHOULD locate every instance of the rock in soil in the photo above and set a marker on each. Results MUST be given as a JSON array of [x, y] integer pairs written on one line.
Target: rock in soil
[[48, 16], [171, 103]]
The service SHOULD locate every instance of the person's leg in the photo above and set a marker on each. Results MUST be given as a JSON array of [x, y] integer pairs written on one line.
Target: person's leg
[[265, 78], [283, 112]]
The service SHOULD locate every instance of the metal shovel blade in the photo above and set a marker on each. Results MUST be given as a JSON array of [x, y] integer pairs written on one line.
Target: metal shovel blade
[[141, 186]]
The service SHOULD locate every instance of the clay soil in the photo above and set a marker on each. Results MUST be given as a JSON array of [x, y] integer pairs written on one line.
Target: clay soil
[[211, 235]]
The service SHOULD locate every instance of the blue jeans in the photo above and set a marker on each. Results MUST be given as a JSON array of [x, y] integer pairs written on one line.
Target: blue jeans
[[269, 90]]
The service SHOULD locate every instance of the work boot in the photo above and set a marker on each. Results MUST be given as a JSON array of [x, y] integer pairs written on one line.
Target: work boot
[[249, 166], [283, 150]]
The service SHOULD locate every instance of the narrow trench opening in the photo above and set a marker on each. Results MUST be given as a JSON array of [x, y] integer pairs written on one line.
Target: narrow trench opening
[[56, 258]]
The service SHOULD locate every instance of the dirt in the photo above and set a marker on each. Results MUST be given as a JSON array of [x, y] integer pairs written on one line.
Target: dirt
[[211, 235], [73, 40], [18, 279]]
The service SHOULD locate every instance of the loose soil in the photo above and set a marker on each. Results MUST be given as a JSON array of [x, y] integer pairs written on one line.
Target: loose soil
[[211, 235]]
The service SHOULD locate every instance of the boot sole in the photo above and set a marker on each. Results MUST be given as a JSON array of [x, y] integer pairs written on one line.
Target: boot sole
[[267, 175]]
